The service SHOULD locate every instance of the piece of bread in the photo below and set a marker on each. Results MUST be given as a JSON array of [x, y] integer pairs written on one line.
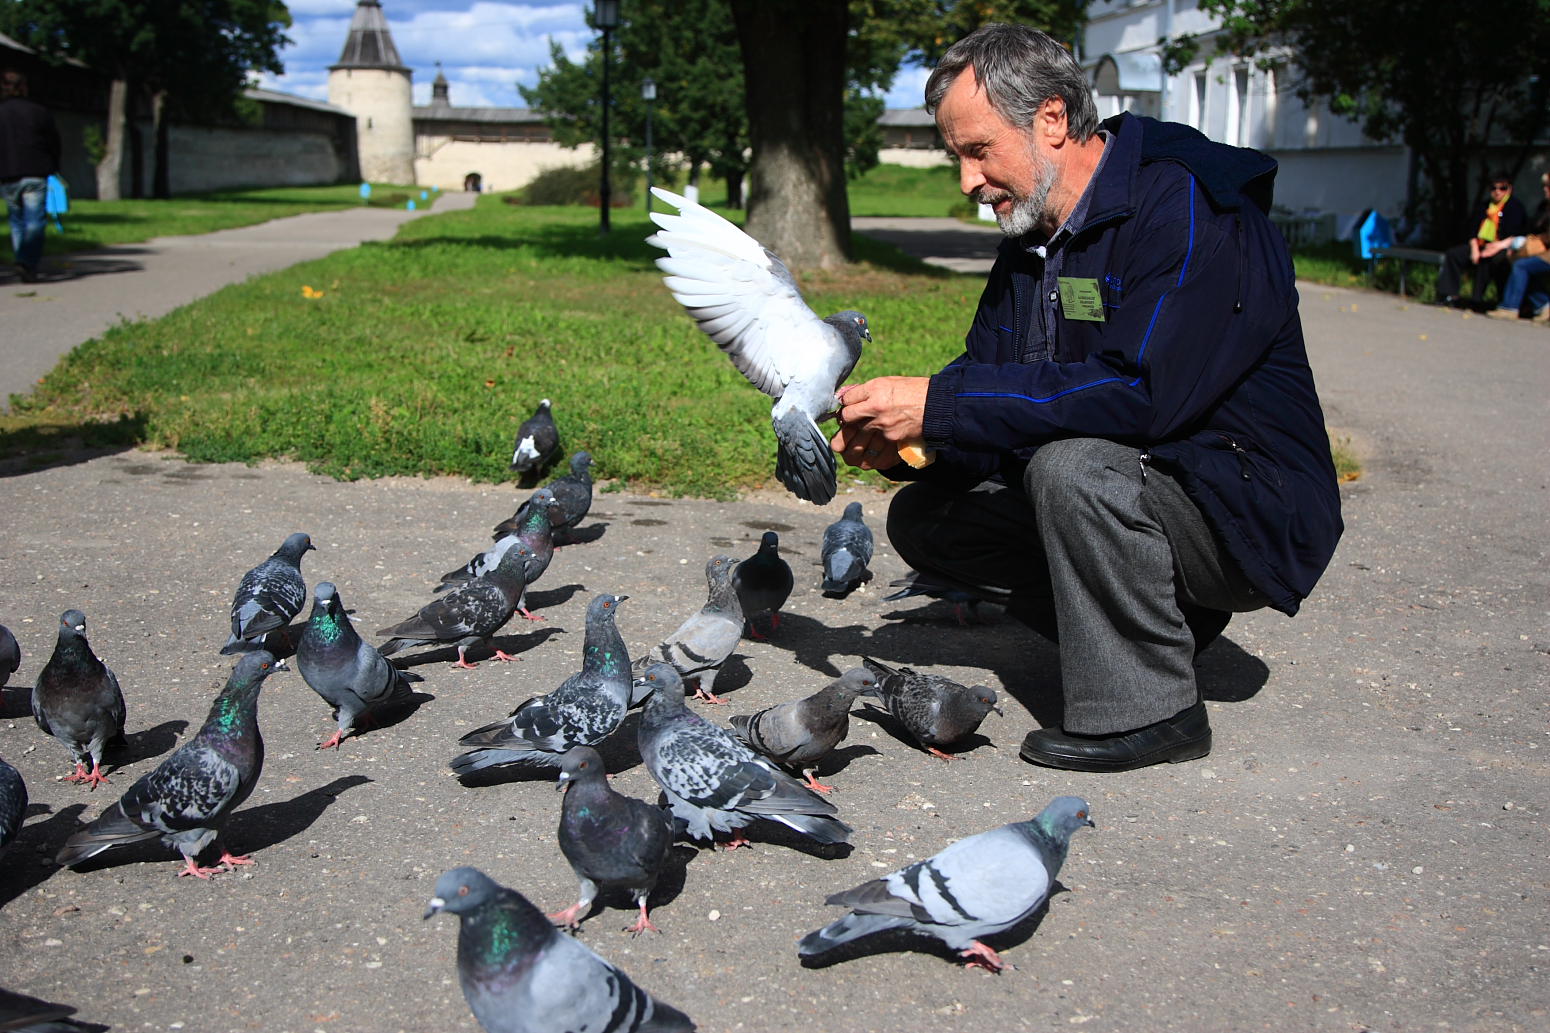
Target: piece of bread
[[916, 454]]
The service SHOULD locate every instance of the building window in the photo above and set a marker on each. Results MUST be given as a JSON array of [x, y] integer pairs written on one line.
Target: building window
[[1240, 133], [1197, 114]]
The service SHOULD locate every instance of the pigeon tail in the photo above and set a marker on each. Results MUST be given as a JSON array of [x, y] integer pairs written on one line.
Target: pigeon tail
[[819, 827], [487, 757], [112, 828], [804, 463], [843, 930]]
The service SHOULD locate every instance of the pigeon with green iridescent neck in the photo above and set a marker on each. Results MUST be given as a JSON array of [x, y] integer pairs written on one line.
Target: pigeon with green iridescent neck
[[979, 886], [520, 974], [612, 841], [468, 615], [572, 501], [535, 532], [188, 797], [77, 700], [583, 711], [349, 673], [269, 596]]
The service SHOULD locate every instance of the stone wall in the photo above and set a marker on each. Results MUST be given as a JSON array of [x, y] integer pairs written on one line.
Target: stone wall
[[443, 162]]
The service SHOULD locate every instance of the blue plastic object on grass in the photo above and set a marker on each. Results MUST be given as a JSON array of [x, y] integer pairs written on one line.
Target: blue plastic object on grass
[[1374, 232], [365, 191], [56, 201]]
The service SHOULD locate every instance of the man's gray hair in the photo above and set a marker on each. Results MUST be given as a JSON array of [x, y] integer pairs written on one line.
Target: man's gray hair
[[1019, 69]]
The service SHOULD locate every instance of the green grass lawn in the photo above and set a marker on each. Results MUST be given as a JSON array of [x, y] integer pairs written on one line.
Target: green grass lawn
[[900, 191], [93, 224], [421, 356]]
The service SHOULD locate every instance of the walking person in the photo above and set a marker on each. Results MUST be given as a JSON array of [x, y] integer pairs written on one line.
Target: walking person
[[29, 154]]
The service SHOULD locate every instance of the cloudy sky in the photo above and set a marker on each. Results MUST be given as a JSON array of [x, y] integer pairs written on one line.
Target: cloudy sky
[[486, 47]]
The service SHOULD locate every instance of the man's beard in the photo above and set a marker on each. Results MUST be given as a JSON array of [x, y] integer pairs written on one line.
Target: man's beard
[[1026, 213]]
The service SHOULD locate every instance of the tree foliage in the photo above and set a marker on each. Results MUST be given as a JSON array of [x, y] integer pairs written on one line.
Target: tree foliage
[[1414, 71], [193, 55]]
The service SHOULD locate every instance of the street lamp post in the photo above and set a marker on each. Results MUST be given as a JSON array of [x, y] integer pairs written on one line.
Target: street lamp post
[[648, 93], [606, 14]]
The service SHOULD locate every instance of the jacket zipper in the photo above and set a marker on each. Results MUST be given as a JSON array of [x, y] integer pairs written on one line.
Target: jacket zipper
[[1243, 456]]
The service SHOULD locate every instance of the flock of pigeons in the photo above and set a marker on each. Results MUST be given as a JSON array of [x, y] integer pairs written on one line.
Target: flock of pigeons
[[518, 970]]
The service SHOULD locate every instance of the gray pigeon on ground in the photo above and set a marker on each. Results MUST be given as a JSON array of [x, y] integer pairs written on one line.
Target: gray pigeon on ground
[[572, 497], [847, 549], [978, 886], [13, 804], [77, 700], [538, 441], [583, 711], [10, 655], [936, 711], [269, 596], [746, 300], [522, 975], [802, 733], [349, 673], [712, 780], [612, 841], [704, 642], [468, 615], [763, 583], [535, 531], [188, 797], [22, 1014]]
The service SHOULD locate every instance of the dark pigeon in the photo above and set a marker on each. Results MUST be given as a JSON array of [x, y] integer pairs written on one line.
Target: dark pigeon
[[704, 642], [269, 596], [746, 300], [612, 841], [77, 700], [979, 886], [572, 497], [584, 710], [802, 733], [538, 442], [763, 583], [468, 615], [936, 711], [23, 1014], [13, 803], [712, 780], [10, 655], [966, 599], [847, 549], [188, 797], [349, 673], [535, 531], [522, 975]]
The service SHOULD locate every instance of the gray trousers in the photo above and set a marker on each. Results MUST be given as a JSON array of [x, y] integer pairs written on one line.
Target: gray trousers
[[1108, 558]]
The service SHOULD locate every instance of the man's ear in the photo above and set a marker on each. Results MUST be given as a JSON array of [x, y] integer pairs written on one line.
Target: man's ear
[[1050, 122]]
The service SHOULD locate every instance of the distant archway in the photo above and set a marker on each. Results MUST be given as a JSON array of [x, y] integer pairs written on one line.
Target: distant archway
[[473, 183]]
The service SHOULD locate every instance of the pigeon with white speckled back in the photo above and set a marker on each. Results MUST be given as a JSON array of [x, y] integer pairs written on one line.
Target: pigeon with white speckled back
[[535, 532], [583, 711], [520, 974], [935, 710], [468, 615], [269, 596], [979, 886]]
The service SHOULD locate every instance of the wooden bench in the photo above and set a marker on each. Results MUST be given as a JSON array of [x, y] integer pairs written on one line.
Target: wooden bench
[[1404, 255]]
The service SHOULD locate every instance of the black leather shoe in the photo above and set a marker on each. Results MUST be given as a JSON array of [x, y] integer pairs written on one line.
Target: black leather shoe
[[1184, 736]]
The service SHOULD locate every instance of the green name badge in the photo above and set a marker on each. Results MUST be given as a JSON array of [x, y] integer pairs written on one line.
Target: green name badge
[[1081, 299]]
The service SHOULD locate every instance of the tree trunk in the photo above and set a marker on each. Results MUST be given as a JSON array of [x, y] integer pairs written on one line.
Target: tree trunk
[[161, 180], [794, 69], [136, 156], [113, 149]]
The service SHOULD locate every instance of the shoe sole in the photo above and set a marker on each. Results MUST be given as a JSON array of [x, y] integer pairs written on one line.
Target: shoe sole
[[1178, 754]]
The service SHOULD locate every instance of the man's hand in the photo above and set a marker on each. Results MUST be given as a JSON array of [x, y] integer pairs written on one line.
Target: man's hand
[[1496, 247], [878, 416]]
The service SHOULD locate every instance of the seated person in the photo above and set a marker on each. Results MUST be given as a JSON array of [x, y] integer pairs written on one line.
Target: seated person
[[1528, 284], [1502, 219]]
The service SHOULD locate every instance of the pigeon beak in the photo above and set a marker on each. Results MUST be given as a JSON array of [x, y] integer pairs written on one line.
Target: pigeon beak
[[436, 905], [563, 783], [998, 711], [280, 664]]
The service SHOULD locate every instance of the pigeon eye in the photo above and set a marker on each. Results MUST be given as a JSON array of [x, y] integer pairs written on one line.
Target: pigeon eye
[[462, 891], [1081, 814]]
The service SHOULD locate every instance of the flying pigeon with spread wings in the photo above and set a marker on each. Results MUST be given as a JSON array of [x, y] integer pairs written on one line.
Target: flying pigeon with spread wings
[[746, 300]]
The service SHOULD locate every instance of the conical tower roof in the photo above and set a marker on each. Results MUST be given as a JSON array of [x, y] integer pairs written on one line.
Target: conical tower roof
[[369, 44]]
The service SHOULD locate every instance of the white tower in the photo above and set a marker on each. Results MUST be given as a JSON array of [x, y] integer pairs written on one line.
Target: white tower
[[371, 81]]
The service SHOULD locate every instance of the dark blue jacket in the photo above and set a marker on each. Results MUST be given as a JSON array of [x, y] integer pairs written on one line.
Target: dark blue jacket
[[1199, 362]]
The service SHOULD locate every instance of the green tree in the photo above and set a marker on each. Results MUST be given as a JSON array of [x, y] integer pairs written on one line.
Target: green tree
[[1415, 71], [194, 54]]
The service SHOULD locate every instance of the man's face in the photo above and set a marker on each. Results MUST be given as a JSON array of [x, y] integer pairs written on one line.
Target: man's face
[[999, 163]]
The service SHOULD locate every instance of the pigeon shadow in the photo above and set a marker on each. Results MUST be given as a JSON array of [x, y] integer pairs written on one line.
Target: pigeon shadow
[[891, 941], [510, 644], [840, 759], [553, 596], [274, 823], [148, 743], [21, 872], [670, 884], [769, 832], [580, 535], [894, 727], [396, 713], [32, 449], [1228, 674]]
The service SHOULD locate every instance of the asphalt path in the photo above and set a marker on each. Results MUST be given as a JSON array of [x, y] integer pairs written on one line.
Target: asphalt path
[[1365, 848]]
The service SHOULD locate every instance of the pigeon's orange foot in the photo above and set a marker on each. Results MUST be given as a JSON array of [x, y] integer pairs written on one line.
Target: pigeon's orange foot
[[980, 956]]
